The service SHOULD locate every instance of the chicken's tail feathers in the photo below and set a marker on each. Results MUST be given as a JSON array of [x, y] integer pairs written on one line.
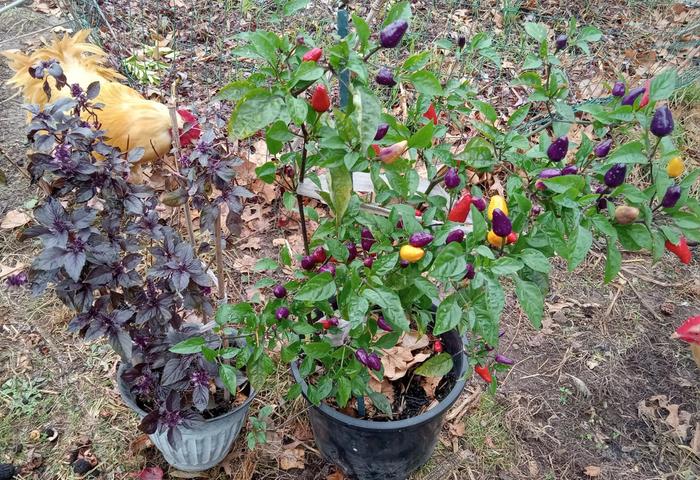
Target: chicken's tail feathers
[[67, 50]]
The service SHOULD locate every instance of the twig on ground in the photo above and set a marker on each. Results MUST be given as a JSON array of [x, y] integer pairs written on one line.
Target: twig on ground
[[461, 409], [16, 3]]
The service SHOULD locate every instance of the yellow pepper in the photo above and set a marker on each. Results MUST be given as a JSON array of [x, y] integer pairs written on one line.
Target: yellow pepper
[[411, 254], [675, 167], [495, 240], [393, 153], [499, 202]]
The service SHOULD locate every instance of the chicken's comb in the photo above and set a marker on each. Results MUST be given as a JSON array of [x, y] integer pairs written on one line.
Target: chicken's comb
[[690, 330]]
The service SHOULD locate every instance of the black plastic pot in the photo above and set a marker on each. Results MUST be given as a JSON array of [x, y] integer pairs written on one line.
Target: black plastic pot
[[368, 450]]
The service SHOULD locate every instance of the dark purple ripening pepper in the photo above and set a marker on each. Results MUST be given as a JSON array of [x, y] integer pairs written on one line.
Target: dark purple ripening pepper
[[361, 356], [501, 223], [404, 263], [550, 173], [671, 197], [17, 280], [560, 42], [279, 291], [352, 251], [632, 96], [504, 360], [385, 77], [374, 362], [616, 175], [281, 313], [307, 262], [536, 210], [662, 122], [461, 41], [618, 89], [381, 323], [601, 203], [456, 235], [368, 262], [603, 148], [470, 273], [366, 239], [557, 150], [393, 33], [328, 267], [569, 170], [420, 239], [452, 178], [382, 130], [479, 203], [333, 321]]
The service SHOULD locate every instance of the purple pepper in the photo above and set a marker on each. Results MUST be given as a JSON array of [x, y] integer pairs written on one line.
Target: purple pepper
[[318, 255], [404, 263], [328, 267], [632, 96], [374, 362], [560, 42], [601, 203], [382, 130], [618, 89], [367, 262], [456, 235], [461, 41], [558, 149], [279, 291], [471, 273], [569, 170], [352, 251], [479, 203], [381, 323], [361, 356], [539, 185], [603, 148], [662, 122], [616, 175], [602, 189], [17, 280], [671, 197], [550, 173], [536, 210], [385, 77], [452, 178], [281, 312], [501, 223], [307, 262], [420, 239], [334, 321], [392, 34], [366, 239], [504, 360]]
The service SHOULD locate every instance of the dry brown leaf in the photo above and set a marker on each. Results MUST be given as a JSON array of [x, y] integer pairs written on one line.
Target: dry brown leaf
[[384, 387], [429, 385], [252, 243], [398, 359], [139, 444], [245, 263], [292, 458], [456, 428], [336, 476], [592, 471], [659, 407], [14, 219]]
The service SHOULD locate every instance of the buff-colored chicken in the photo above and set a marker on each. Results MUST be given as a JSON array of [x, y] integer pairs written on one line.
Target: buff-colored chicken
[[129, 119]]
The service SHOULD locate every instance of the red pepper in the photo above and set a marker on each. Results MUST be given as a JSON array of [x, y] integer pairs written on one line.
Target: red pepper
[[437, 346], [681, 250], [645, 98], [431, 114], [320, 101], [326, 324], [511, 238], [419, 213], [460, 210], [376, 148], [484, 373], [312, 55]]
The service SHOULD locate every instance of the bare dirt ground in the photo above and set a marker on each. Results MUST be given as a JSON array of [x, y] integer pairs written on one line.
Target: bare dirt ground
[[600, 392]]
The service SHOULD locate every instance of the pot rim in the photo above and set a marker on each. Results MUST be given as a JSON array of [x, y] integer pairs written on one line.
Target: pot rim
[[392, 425], [142, 413]]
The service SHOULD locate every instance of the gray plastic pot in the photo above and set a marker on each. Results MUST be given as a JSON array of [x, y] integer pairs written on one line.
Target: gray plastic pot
[[204, 444], [368, 450]]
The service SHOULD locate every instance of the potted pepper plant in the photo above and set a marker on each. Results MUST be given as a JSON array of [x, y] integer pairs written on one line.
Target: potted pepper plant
[[372, 321], [119, 262]]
